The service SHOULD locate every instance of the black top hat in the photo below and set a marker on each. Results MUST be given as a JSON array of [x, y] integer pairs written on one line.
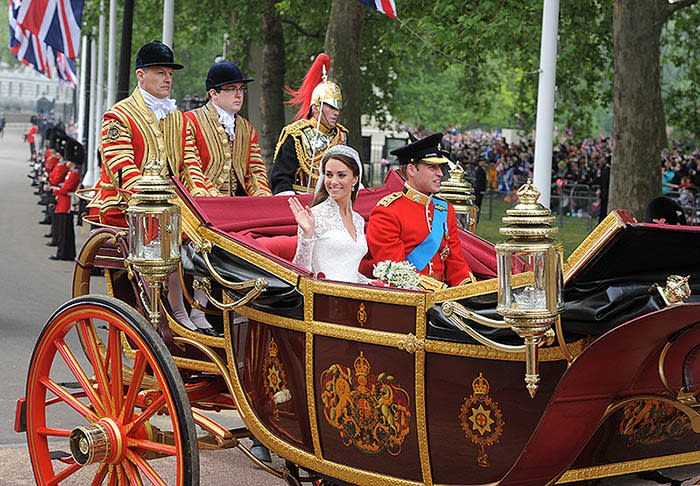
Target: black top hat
[[155, 53], [223, 73], [426, 150], [74, 152]]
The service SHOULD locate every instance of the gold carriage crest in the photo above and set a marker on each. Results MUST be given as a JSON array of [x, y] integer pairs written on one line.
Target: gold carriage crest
[[275, 378], [481, 419], [649, 422], [371, 412]]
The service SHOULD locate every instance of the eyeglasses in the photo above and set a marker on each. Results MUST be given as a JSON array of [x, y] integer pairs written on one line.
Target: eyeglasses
[[242, 90]]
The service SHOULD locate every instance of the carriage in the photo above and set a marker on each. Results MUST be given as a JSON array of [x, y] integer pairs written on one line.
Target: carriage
[[363, 384]]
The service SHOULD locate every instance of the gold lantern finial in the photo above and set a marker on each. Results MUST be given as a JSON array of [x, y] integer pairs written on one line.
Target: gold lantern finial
[[459, 192]]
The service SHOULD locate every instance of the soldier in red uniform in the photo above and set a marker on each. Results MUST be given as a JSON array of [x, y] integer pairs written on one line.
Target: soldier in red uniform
[[145, 125], [227, 143], [416, 226], [74, 157]]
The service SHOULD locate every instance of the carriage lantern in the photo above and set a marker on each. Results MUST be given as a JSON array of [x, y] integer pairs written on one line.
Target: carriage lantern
[[530, 302], [154, 231], [458, 191]]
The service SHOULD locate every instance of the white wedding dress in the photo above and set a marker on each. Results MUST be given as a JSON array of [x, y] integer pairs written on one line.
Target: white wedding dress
[[332, 251]]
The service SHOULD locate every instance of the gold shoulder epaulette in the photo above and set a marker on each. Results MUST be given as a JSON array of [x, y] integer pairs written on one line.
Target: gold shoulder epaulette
[[342, 128], [386, 200]]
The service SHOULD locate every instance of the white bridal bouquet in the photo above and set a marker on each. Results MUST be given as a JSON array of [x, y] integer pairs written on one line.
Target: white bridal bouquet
[[397, 274]]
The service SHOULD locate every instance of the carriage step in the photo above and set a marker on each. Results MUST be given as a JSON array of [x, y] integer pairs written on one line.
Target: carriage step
[[240, 433], [71, 385], [62, 456]]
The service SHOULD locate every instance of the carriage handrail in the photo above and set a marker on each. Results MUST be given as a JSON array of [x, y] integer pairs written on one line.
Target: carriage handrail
[[450, 311], [453, 307], [205, 248], [258, 284]]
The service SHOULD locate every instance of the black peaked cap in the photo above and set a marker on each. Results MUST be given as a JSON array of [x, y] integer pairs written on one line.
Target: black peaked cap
[[425, 148]]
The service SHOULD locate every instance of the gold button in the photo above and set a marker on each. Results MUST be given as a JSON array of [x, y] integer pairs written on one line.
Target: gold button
[[227, 168], [227, 155], [220, 128], [161, 147], [157, 132], [220, 180], [224, 141]]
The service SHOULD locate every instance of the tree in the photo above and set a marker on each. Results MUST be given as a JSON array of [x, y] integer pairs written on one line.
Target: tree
[[343, 45], [639, 120]]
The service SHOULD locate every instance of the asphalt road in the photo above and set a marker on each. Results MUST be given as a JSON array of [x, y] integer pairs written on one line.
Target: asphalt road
[[32, 287]]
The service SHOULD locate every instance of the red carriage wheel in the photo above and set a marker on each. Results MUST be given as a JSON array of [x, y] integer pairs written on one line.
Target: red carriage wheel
[[125, 421]]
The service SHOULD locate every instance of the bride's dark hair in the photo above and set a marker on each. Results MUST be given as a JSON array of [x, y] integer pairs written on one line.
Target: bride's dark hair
[[350, 163]]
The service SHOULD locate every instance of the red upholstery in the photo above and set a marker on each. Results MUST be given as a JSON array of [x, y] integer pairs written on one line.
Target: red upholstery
[[268, 225]]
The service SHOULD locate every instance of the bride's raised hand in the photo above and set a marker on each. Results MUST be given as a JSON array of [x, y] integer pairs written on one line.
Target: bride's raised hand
[[304, 217]]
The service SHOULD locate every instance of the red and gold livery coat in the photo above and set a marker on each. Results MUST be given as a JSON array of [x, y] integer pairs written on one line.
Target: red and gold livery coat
[[401, 221], [232, 170], [131, 135], [63, 194], [297, 143]]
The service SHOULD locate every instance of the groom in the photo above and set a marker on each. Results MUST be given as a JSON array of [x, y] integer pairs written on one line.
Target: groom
[[414, 225]]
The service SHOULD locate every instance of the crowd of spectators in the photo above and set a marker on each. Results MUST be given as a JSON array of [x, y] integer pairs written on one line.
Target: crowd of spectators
[[582, 166]]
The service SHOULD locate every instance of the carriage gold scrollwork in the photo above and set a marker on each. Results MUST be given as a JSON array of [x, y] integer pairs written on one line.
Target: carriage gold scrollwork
[[362, 315], [370, 411], [481, 418], [275, 379]]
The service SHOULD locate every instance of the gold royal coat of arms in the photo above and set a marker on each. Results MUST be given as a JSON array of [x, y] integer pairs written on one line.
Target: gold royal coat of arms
[[371, 412]]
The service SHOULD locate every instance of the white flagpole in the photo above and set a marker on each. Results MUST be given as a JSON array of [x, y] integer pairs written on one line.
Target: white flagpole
[[545, 100], [82, 108], [92, 159], [168, 8], [112, 54]]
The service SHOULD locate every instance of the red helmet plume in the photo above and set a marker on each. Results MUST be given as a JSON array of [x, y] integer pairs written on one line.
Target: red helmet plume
[[313, 78]]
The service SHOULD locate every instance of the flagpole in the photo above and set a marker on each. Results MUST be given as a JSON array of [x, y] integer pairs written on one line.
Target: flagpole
[[82, 108], [92, 160], [112, 54], [545, 100], [168, 8]]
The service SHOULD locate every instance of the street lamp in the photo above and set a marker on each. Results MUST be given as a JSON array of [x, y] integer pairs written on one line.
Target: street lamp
[[154, 232]]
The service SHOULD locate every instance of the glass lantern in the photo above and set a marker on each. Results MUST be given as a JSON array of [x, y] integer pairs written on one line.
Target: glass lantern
[[458, 191], [530, 278], [154, 232]]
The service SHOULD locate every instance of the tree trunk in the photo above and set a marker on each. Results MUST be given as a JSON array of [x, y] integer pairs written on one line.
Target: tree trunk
[[343, 45], [125, 65], [272, 83], [638, 126]]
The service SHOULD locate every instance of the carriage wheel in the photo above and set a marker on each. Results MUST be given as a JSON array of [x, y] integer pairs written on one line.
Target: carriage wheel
[[125, 421]]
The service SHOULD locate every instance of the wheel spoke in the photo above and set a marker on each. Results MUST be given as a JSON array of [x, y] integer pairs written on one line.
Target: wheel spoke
[[100, 475], [79, 374], [114, 356], [112, 479], [49, 432], [148, 413], [132, 474], [121, 476], [64, 474], [77, 405], [145, 468], [153, 446], [134, 388], [87, 332]]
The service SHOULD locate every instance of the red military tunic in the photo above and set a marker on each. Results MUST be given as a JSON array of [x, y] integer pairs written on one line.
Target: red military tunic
[[63, 194], [401, 221], [131, 135], [234, 167], [58, 173], [50, 161]]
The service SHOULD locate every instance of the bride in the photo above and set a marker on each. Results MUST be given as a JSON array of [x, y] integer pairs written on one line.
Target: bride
[[331, 236]]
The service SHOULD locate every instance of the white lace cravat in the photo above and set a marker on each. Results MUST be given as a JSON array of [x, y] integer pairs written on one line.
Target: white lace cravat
[[228, 121], [161, 107]]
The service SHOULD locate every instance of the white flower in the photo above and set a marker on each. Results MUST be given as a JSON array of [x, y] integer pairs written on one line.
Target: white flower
[[398, 274]]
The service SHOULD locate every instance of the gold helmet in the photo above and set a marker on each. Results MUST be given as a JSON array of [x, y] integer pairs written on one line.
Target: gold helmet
[[316, 89]]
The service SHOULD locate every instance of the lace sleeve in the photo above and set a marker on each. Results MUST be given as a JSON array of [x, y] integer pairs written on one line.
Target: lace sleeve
[[305, 250]]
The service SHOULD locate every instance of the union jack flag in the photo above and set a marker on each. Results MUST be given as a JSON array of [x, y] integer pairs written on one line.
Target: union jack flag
[[26, 47], [387, 7], [66, 69], [54, 22]]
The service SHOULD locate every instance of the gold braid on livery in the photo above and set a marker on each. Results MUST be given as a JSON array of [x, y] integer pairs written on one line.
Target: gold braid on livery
[[233, 168], [131, 135]]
